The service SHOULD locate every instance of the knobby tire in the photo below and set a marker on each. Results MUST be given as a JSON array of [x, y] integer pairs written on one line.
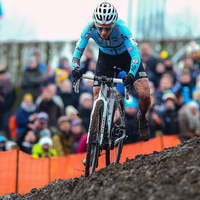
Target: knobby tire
[[97, 114]]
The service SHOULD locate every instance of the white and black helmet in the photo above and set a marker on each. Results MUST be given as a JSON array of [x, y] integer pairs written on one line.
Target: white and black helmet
[[105, 13]]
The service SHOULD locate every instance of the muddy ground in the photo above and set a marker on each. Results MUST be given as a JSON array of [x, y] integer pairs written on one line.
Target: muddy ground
[[171, 174]]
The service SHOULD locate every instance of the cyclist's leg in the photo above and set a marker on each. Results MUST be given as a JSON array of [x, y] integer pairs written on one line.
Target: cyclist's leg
[[142, 88]]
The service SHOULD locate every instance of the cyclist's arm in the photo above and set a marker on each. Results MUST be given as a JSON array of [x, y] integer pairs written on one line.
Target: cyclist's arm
[[80, 46], [131, 47]]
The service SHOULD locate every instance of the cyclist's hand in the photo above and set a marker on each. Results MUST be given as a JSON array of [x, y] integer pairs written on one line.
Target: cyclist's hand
[[128, 80], [77, 74]]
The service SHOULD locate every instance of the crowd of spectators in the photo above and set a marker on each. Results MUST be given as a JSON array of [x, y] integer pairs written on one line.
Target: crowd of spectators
[[52, 120]]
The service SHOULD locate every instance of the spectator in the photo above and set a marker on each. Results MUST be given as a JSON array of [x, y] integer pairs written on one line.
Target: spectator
[[72, 113], [188, 64], [88, 57], [85, 108], [170, 114], [164, 85], [193, 50], [178, 101], [43, 149], [160, 69], [26, 141], [67, 94], [25, 114], [92, 66], [184, 86], [131, 107], [48, 106], [148, 60], [52, 88], [32, 78], [156, 122], [82, 145], [7, 98], [64, 65], [169, 68], [60, 76], [41, 65], [87, 85], [6, 145], [63, 141], [188, 117], [77, 131], [196, 94], [41, 126]]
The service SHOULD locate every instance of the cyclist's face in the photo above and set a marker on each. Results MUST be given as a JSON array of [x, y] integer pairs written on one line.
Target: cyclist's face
[[104, 30]]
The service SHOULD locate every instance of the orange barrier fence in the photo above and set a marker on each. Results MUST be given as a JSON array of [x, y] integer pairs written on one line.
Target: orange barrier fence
[[20, 172]]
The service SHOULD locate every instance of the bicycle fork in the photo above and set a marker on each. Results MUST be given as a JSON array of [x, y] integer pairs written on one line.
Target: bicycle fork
[[102, 97]]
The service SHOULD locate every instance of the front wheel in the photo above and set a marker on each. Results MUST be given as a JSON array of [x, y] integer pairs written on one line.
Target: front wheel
[[118, 124], [94, 138]]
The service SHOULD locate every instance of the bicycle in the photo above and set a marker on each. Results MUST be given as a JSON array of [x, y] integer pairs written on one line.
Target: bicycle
[[103, 134]]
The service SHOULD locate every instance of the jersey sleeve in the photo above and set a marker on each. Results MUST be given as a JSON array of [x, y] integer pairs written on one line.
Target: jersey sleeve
[[81, 44], [131, 46]]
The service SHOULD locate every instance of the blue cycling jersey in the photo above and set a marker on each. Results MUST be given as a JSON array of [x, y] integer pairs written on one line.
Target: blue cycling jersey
[[119, 41]]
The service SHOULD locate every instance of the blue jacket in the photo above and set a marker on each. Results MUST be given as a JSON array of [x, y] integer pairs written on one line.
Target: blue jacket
[[22, 116]]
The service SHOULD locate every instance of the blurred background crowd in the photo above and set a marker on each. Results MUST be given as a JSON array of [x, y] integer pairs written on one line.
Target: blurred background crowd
[[52, 120]]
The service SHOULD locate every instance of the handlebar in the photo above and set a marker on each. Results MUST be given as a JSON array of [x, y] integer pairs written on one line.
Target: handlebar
[[100, 78]]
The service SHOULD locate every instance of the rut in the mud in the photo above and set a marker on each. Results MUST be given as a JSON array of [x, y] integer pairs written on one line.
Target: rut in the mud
[[171, 174]]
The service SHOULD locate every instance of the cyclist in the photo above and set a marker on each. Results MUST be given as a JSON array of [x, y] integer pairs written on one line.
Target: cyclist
[[117, 47]]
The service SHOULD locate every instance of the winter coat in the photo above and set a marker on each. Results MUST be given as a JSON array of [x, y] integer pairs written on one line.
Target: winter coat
[[22, 115], [63, 143], [84, 114], [170, 118], [52, 109], [69, 99], [31, 81], [82, 146], [38, 152], [7, 95]]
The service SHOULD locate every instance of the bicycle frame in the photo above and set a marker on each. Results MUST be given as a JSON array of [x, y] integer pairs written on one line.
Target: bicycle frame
[[107, 114]]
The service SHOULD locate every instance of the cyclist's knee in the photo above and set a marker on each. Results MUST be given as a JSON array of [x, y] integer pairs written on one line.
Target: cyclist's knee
[[96, 92]]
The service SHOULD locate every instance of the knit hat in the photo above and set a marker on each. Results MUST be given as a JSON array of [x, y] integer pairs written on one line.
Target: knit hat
[[28, 96], [168, 95], [131, 102], [71, 110], [43, 115], [45, 132], [85, 96], [60, 75], [45, 140], [62, 119], [75, 122], [31, 59]]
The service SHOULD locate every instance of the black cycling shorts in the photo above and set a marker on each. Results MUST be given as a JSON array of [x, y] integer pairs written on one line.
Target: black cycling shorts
[[106, 62]]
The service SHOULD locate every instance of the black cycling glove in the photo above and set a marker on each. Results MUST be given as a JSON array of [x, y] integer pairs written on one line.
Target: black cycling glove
[[128, 80], [77, 74]]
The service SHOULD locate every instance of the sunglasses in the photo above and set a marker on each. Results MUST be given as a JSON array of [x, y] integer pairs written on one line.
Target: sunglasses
[[108, 28]]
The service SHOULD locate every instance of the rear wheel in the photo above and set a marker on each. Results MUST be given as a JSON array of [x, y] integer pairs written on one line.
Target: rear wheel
[[118, 120], [94, 138]]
